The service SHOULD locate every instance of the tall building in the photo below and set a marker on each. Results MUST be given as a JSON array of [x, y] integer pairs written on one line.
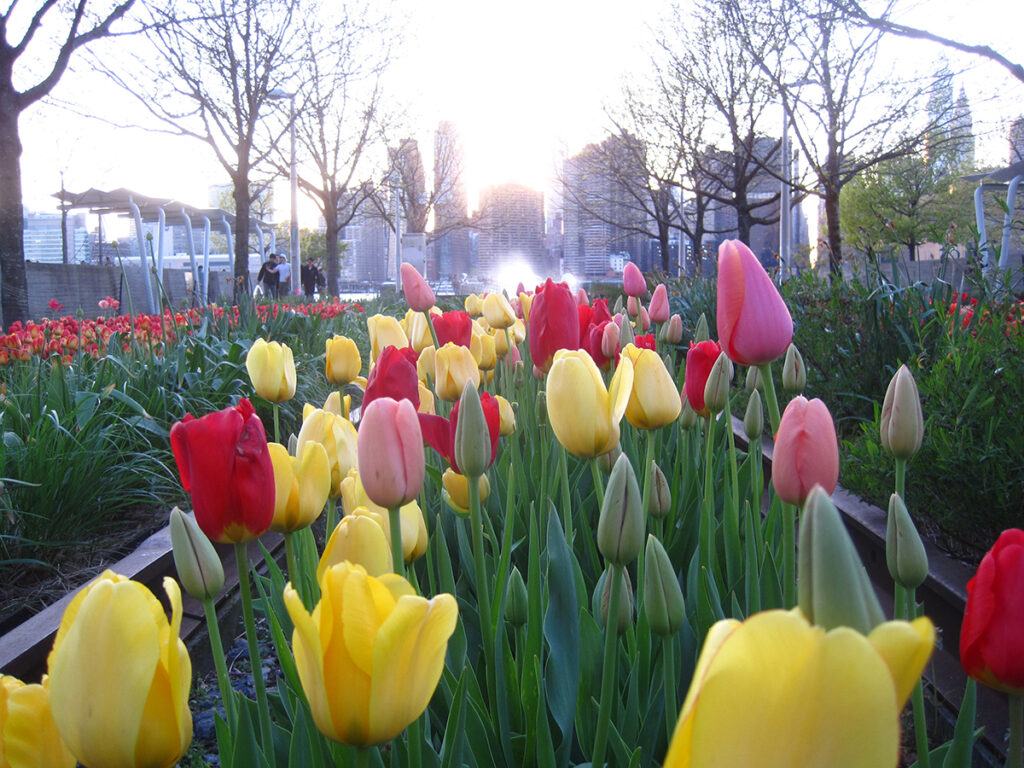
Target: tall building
[[366, 244], [602, 226], [43, 240], [511, 229], [449, 251]]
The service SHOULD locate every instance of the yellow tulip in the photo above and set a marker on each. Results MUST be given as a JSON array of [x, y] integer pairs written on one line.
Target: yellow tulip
[[473, 305], [488, 358], [498, 311], [800, 696], [654, 401], [28, 735], [525, 302], [583, 414], [416, 329], [414, 528], [518, 331], [272, 370], [302, 484], [342, 360], [501, 344], [336, 404], [426, 400], [385, 331], [120, 676], [425, 364], [508, 417], [453, 367], [456, 490], [358, 538], [336, 435], [371, 654]]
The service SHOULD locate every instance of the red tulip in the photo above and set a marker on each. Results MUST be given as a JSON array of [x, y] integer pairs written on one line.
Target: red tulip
[[439, 432], [992, 635], [645, 341], [633, 282], [806, 450], [418, 294], [225, 464], [700, 359], [394, 375], [554, 323], [455, 327], [390, 448], [754, 325]]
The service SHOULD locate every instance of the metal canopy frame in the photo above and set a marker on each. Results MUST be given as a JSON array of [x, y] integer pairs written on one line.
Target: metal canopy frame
[[1008, 179], [165, 212]]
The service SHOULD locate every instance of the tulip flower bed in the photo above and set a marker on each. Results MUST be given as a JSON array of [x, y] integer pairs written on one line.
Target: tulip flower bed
[[543, 547]]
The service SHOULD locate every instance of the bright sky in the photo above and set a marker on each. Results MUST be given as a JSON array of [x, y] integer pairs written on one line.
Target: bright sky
[[524, 81]]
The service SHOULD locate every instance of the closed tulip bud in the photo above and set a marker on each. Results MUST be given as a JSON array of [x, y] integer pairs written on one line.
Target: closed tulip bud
[[525, 302], [618, 306], [358, 539], [426, 365], [633, 283], [498, 312], [342, 360], [902, 423], [654, 400], [582, 299], [610, 341], [541, 406], [516, 599], [355, 501], [28, 735], [418, 294], [663, 597], [583, 413], [302, 485], [904, 550], [337, 436], [271, 369], [626, 336], [754, 324], [473, 305], [416, 329], [754, 380], [673, 332], [632, 307], [687, 416], [390, 448], [488, 353], [384, 331], [753, 419], [472, 435], [794, 374], [455, 490], [806, 451], [659, 308], [606, 461], [701, 332], [620, 527], [200, 570], [507, 415], [500, 344], [454, 367], [120, 676], [716, 390], [602, 600], [660, 502], [834, 589]]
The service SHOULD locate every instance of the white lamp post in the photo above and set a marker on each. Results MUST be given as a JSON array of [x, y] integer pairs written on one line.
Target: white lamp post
[[280, 93]]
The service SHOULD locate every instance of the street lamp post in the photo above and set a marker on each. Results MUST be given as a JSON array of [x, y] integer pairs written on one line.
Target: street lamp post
[[279, 93]]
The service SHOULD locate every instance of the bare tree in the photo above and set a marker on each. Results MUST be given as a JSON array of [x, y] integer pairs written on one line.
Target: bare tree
[[80, 23], [217, 62]]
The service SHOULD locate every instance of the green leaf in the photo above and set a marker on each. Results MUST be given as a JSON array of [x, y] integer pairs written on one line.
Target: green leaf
[[455, 729], [962, 745], [561, 630]]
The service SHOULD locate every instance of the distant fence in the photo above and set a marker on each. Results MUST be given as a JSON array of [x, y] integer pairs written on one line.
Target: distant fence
[[961, 273]]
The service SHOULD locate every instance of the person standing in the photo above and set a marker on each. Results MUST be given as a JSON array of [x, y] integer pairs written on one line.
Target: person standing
[[311, 277], [284, 276], [267, 276]]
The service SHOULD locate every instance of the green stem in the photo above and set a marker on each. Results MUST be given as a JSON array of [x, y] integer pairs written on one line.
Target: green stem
[[1015, 754], [671, 706], [217, 649], [483, 590], [332, 518], [769, 396], [901, 478], [917, 699], [566, 505], [788, 555], [361, 757], [277, 423], [255, 662], [733, 555], [598, 482], [433, 333], [707, 518], [415, 742], [397, 554], [648, 470], [609, 667]]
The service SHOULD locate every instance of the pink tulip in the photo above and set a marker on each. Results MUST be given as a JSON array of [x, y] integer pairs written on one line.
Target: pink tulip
[[806, 451], [674, 332], [754, 324], [514, 355], [610, 341], [390, 448], [582, 299], [632, 306], [418, 294], [659, 309], [633, 282], [645, 319]]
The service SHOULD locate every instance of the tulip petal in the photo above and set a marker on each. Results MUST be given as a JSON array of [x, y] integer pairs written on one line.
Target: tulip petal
[[408, 659], [905, 648], [29, 737], [357, 539], [309, 660], [621, 387]]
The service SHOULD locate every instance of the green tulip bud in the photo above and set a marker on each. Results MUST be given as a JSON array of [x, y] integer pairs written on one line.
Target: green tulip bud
[[542, 407], [904, 550], [794, 374], [618, 306], [516, 600], [834, 589], [602, 599], [663, 597], [620, 528], [200, 570], [626, 335], [716, 391], [754, 381], [753, 419], [687, 416], [902, 423], [472, 436], [660, 500], [701, 332], [606, 461]]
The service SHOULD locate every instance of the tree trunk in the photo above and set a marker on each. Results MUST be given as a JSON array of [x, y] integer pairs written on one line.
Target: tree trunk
[[835, 239], [742, 216], [243, 203], [331, 233], [14, 295]]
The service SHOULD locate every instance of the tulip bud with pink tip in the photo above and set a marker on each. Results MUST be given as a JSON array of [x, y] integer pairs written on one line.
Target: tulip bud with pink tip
[[418, 294], [632, 306], [633, 282], [645, 319], [610, 341], [390, 448], [674, 330], [582, 299], [806, 451], [754, 324], [659, 309]]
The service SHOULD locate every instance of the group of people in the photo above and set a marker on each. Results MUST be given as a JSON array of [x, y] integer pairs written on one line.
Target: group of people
[[274, 277]]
